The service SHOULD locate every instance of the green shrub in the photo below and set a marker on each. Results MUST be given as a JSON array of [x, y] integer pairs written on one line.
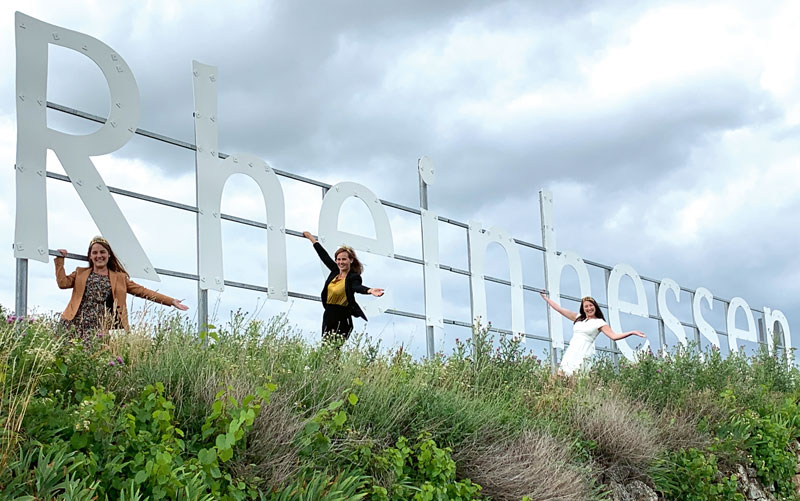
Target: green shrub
[[765, 435], [693, 475], [420, 471]]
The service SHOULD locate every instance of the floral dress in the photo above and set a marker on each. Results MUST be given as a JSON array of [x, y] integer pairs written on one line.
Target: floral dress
[[95, 310]]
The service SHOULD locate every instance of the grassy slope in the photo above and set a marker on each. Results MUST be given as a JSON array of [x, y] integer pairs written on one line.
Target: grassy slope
[[679, 423]]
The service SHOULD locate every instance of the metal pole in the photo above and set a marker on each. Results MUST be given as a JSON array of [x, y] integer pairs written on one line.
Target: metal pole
[[545, 239], [471, 293], [202, 310], [662, 331], [423, 203], [21, 292], [614, 348], [202, 294], [762, 334], [725, 319]]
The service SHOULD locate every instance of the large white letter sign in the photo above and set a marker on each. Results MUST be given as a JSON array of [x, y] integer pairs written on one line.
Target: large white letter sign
[[478, 241], [331, 237], [704, 327], [212, 173], [431, 274], [735, 333], [772, 317], [617, 306], [671, 322], [74, 152], [554, 264]]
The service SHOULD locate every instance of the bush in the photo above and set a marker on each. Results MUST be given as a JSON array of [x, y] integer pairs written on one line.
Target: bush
[[420, 471], [765, 435], [692, 475]]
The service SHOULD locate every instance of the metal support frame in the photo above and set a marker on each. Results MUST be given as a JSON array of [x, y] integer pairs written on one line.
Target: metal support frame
[[21, 289], [22, 264], [202, 309], [423, 203]]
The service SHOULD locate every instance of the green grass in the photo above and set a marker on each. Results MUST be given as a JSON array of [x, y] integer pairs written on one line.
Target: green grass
[[362, 423]]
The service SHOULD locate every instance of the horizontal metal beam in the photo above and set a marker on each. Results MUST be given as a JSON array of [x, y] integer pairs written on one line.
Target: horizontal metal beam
[[298, 295], [259, 224], [325, 186]]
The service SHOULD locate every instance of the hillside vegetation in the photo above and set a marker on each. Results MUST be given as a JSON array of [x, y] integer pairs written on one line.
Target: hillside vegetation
[[252, 411]]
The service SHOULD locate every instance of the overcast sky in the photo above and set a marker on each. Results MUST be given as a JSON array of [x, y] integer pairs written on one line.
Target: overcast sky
[[668, 134]]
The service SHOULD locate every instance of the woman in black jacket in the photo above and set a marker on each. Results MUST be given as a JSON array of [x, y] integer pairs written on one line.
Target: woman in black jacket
[[338, 294]]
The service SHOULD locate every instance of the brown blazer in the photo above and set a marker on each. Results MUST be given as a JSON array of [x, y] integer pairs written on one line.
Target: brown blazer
[[121, 285]]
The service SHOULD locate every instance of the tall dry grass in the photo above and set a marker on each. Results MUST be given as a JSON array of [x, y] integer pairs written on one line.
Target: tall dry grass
[[534, 464], [625, 434]]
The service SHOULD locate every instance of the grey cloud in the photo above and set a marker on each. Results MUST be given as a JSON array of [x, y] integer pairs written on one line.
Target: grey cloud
[[635, 144], [293, 81]]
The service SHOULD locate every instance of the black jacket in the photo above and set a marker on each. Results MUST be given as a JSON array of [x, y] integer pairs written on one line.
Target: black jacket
[[352, 283]]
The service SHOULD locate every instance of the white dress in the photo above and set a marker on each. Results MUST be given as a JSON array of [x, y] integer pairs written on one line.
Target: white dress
[[581, 347]]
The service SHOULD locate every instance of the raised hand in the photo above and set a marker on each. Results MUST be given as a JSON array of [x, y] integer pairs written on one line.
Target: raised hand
[[310, 237]]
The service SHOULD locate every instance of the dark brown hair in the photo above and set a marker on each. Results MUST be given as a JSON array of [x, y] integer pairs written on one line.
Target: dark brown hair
[[598, 313], [113, 262], [356, 266]]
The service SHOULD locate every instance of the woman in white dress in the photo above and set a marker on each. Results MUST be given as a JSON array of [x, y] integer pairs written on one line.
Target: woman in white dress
[[587, 323]]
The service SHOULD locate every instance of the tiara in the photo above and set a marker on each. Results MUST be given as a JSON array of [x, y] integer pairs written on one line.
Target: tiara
[[98, 240], [587, 298]]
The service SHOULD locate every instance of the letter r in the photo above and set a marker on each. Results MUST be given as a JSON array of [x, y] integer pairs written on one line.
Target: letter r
[[34, 138]]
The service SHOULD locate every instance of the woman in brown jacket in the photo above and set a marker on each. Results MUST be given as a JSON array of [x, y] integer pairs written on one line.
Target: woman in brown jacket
[[99, 292]]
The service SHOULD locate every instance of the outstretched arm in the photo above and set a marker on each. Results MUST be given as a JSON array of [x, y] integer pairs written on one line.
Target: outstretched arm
[[321, 252], [606, 329], [571, 315], [362, 289], [145, 293]]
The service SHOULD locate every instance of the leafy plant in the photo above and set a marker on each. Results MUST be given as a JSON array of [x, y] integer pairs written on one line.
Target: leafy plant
[[693, 475], [765, 435], [327, 423], [421, 471]]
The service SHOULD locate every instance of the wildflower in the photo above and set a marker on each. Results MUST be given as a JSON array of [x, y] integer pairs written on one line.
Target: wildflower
[[111, 363], [120, 361]]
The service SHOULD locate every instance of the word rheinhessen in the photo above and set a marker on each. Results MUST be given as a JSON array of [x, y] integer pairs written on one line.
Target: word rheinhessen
[[74, 152]]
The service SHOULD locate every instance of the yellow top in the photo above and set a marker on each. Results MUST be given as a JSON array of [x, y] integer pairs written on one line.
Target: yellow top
[[336, 292]]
